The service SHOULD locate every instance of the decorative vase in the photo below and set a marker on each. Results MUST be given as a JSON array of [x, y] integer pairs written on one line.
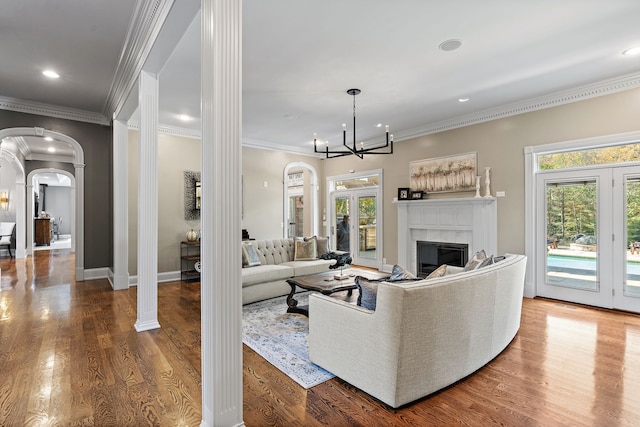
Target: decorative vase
[[487, 183], [478, 186], [192, 236]]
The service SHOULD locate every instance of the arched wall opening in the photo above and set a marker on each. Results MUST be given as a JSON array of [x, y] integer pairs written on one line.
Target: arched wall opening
[[24, 210]]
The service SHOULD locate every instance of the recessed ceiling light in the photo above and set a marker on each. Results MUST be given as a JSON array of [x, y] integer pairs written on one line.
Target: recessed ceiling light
[[463, 99], [184, 117], [51, 150], [51, 74], [633, 51], [449, 45], [379, 125]]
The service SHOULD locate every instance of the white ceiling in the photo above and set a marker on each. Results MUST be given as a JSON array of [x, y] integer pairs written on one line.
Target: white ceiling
[[300, 57]]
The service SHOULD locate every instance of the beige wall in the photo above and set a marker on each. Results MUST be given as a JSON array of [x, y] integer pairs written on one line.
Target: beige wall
[[175, 156], [500, 144], [264, 206]]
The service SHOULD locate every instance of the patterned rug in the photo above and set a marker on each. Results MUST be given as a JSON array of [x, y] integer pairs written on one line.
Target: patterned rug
[[281, 338]]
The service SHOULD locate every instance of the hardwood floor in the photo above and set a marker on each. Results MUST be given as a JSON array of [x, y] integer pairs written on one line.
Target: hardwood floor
[[69, 355]]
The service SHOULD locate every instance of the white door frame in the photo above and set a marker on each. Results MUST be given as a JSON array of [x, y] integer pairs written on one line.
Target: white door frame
[[331, 190], [531, 169]]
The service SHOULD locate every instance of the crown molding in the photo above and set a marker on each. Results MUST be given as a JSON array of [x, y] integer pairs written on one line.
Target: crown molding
[[144, 28], [29, 107], [169, 130], [264, 145], [581, 93]]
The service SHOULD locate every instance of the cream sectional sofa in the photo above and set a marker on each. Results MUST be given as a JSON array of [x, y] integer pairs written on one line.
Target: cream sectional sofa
[[423, 335], [277, 264]]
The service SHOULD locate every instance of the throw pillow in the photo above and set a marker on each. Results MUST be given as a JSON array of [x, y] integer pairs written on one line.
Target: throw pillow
[[250, 257], [438, 272], [368, 292], [306, 250], [490, 260], [474, 262], [323, 246], [399, 273]]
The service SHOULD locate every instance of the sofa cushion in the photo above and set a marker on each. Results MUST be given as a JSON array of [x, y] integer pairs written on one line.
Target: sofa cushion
[[475, 261], [265, 273], [306, 250], [250, 257], [302, 268]]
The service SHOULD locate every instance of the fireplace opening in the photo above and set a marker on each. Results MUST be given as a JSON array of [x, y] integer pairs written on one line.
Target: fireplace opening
[[431, 255]]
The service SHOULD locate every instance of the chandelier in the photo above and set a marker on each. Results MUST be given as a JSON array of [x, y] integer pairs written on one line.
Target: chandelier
[[355, 150]]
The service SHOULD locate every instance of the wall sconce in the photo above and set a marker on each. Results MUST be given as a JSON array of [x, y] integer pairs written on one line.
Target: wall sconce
[[4, 200]]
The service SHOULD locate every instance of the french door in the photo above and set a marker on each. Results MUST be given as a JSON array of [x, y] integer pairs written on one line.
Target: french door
[[355, 225], [586, 221]]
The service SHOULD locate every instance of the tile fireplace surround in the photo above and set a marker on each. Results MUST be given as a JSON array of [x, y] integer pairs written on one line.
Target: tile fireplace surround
[[470, 220]]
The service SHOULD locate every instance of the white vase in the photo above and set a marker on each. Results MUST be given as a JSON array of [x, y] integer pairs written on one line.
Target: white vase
[[487, 183]]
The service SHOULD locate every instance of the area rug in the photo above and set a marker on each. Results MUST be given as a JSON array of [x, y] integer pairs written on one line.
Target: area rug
[[281, 338]]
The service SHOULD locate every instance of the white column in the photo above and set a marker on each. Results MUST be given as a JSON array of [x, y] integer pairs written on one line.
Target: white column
[[120, 206], [78, 200], [30, 216], [220, 216], [148, 204], [23, 222]]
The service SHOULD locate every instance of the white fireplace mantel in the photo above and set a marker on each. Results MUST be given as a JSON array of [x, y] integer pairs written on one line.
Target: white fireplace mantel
[[470, 220]]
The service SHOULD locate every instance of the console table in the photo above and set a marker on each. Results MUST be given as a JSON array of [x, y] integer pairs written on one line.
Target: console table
[[44, 233]]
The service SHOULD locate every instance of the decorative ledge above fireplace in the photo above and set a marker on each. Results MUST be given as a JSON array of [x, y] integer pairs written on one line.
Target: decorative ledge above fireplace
[[469, 220]]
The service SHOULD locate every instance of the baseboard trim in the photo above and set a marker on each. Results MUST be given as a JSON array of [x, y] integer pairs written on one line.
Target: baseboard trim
[[96, 273], [167, 276]]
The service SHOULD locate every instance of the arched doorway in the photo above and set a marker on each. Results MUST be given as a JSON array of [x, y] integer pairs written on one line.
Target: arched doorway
[[290, 193], [24, 214]]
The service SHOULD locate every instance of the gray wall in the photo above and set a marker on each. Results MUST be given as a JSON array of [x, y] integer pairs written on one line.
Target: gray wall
[[58, 204], [98, 208]]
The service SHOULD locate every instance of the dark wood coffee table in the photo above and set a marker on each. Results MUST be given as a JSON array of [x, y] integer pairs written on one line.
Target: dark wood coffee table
[[326, 284]]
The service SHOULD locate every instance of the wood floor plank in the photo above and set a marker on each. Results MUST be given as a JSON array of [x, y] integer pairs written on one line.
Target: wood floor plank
[[70, 356]]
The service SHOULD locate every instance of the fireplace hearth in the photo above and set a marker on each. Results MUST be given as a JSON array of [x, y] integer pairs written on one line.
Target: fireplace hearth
[[431, 255]]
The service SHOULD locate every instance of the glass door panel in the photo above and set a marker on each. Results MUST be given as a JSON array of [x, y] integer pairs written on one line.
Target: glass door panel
[[296, 216], [571, 234], [342, 224], [367, 236], [626, 256]]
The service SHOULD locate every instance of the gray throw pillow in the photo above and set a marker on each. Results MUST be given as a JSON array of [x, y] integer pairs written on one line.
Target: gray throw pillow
[[250, 257], [475, 262], [323, 246], [399, 273], [368, 292]]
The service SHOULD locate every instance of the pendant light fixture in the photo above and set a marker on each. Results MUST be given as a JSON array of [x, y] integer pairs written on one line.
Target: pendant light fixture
[[354, 149]]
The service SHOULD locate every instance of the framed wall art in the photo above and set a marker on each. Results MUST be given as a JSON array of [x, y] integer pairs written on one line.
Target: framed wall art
[[444, 174]]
